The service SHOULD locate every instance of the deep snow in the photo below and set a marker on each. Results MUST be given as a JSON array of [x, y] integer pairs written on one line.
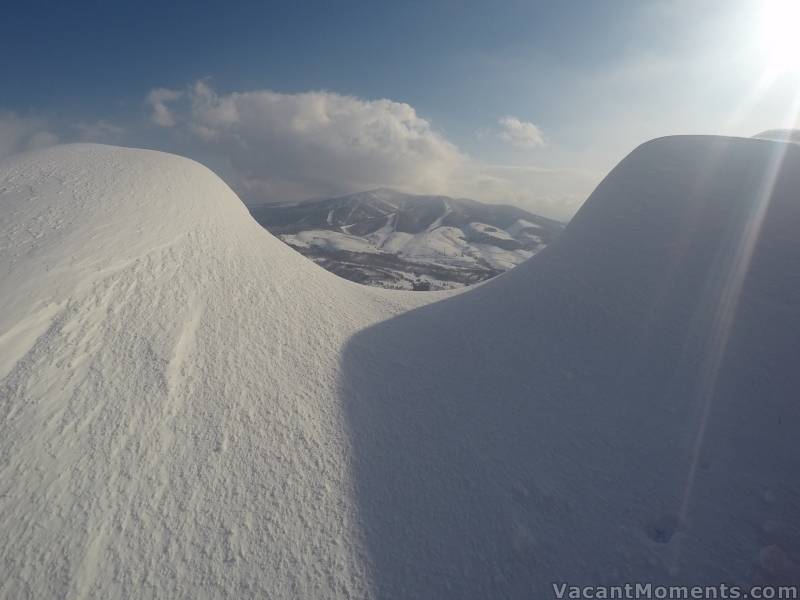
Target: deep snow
[[191, 409], [170, 422]]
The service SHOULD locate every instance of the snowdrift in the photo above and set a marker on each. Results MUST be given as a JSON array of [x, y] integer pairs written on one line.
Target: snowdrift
[[620, 408], [170, 423], [191, 409]]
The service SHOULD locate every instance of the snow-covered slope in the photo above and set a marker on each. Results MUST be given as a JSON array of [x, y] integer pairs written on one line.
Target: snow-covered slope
[[620, 408], [391, 239], [191, 409], [169, 423]]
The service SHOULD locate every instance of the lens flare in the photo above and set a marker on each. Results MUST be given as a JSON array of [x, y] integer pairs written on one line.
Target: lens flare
[[780, 36]]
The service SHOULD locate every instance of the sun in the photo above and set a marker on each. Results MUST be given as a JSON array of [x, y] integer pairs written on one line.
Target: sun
[[780, 36]]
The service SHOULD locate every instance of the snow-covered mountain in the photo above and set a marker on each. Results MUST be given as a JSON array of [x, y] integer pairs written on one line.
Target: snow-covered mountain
[[395, 240], [189, 408]]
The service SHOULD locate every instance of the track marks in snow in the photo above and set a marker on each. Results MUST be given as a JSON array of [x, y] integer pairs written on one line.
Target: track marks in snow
[[179, 365]]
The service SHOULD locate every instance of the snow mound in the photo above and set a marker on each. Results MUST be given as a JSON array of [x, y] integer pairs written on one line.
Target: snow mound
[[620, 408], [191, 409], [170, 423]]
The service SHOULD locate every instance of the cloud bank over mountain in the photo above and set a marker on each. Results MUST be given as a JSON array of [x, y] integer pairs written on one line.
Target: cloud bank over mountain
[[309, 143], [272, 146]]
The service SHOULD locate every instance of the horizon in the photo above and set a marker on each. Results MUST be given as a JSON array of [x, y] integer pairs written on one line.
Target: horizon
[[537, 337], [528, 104]]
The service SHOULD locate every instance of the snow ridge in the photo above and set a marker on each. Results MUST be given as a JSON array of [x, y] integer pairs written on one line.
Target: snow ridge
[[155, 441], [189, 408], [619, 408]]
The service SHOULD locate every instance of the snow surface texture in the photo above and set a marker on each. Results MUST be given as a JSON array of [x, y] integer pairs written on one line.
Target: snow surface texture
[[170, 423], [191, 409]]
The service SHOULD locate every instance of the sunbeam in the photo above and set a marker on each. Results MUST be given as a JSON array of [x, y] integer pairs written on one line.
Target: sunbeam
[[727, 298]]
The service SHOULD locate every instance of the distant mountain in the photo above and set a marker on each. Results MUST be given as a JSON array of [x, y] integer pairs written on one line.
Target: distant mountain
[[395, 240], [780, 135]]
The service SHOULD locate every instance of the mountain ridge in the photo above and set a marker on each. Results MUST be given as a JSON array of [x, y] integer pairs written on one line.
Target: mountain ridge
[[393, 239]]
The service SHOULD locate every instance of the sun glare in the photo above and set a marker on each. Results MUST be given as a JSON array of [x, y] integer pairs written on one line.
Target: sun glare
[[780, 36]]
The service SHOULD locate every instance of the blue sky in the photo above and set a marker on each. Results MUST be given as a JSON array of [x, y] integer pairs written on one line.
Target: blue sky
[[523, 102]]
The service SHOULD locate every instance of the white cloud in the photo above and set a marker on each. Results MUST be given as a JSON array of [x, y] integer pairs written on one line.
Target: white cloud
[[157, 100], [554, 193], [521, 134], [21, 133], [312, 143], [271, 146]]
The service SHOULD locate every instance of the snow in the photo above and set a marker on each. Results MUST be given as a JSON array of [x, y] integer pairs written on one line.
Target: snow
[[442, 245], [502, 259], [170, 421], [329, 240], [191, 409], [395, 241], [522, 225], [781, 135], [382, 235], [389, 239], [438, 221], [614, 410], [489, 231]]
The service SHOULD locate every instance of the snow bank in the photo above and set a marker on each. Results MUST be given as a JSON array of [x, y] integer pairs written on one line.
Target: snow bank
[[170, 423], [190, 409], [620, 408]]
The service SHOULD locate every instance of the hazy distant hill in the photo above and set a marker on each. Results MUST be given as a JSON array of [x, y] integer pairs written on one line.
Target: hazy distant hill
[[780, 135], [391, 239]]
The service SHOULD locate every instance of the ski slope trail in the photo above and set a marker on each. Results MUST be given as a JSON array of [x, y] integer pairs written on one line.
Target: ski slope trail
[[190, 409]]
